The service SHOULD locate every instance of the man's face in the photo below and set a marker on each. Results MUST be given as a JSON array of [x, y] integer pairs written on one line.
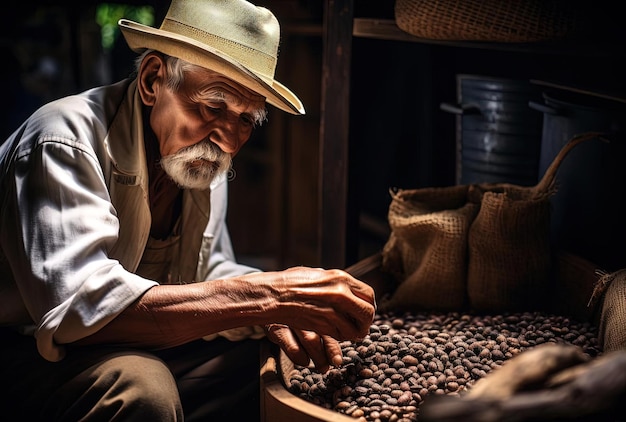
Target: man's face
[[202, 125]]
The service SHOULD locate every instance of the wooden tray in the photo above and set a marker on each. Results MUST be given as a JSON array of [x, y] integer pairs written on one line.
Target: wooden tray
[[277, 403]]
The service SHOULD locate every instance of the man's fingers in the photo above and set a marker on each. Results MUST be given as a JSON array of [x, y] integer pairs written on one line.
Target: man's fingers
[[364, 292], [312, 343], [333, 350], [302, 346], [284, 337]]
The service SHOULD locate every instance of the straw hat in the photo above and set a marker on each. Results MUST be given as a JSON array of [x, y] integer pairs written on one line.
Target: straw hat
[[231, 37]]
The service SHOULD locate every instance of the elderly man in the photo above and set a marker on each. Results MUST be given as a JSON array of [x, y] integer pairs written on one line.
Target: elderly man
[[120, 298]]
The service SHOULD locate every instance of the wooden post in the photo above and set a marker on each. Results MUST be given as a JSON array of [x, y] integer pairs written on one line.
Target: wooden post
[[334, 133]]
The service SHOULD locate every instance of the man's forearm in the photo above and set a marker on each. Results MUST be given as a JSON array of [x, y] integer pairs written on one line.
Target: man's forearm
[[170, 315]]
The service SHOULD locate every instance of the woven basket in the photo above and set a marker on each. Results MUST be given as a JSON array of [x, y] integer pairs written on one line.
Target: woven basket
[[487, 20]]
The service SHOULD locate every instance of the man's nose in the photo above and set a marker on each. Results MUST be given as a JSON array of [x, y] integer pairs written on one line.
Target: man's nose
[[225, 135]]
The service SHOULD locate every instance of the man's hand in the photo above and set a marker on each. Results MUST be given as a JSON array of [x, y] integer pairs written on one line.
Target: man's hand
[[314, 301], [329, 302], [302, 347]]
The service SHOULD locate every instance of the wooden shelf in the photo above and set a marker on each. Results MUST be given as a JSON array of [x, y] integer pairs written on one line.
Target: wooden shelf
[[386, 29]]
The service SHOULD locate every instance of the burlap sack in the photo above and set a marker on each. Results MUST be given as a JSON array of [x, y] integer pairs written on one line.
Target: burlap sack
[[486, 246], [427, 249], [510, 254], [509, 265], [575, 282], [610, 294]]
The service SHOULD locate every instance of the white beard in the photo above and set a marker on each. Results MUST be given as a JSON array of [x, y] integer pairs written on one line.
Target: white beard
[[196, 166]]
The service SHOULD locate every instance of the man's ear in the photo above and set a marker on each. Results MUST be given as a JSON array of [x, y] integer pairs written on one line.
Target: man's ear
[[151, 77]]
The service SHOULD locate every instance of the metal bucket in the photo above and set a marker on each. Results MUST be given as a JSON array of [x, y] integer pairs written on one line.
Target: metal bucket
[[589, 206], [498, 134]]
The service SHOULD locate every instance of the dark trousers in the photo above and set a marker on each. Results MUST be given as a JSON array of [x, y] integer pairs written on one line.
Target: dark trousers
[[203, 380]]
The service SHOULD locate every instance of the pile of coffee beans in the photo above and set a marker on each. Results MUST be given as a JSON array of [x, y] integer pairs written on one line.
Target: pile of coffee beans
[[408, 356]]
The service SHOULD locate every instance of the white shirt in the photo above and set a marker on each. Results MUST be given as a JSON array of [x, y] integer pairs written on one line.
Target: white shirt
[[74, 219]]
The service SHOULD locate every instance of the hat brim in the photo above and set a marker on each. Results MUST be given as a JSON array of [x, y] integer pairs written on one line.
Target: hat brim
[[141, 37]]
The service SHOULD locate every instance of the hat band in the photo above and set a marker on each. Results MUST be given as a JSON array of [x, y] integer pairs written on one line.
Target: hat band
[[256, 61]]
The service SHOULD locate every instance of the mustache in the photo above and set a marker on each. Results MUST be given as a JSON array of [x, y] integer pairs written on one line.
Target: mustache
[[183, 168], [204, 150]]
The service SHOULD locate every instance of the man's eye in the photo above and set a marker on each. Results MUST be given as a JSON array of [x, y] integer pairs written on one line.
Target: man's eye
[[210, 112], [247, 120], [213, 109]]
